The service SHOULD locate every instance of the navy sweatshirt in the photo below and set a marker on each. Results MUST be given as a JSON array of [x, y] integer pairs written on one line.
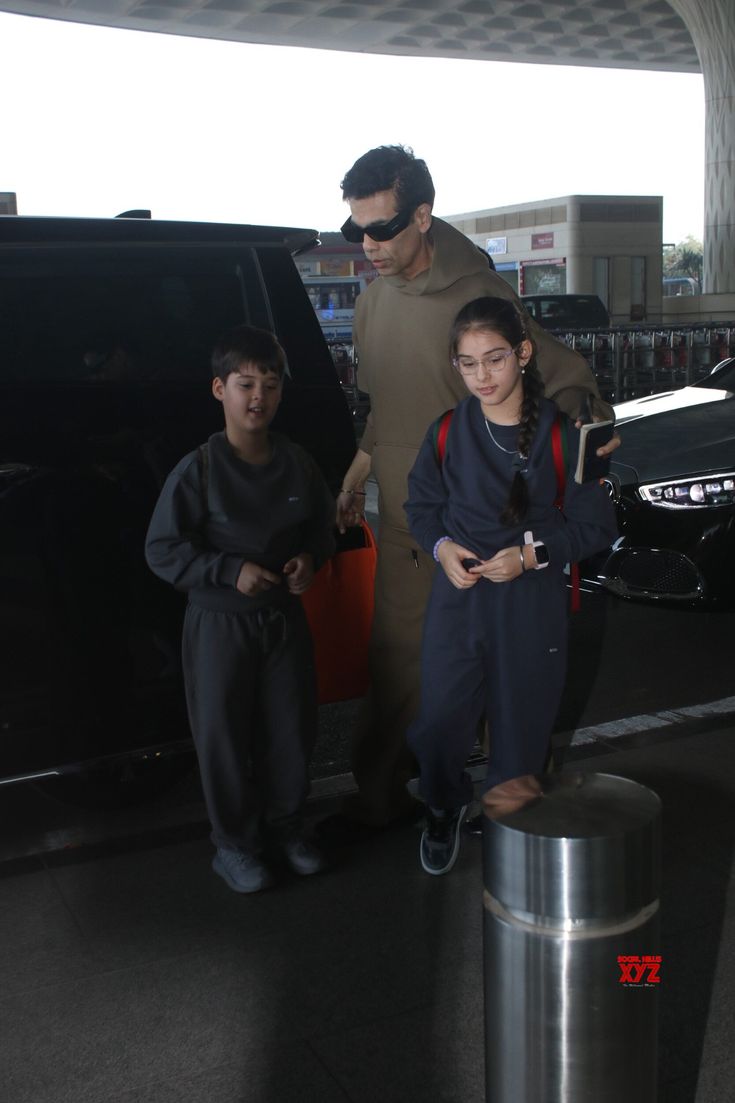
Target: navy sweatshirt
[[464, 496], [199, 537]]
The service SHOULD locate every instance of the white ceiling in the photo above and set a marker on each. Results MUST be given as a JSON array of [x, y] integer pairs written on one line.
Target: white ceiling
[[627, 34]]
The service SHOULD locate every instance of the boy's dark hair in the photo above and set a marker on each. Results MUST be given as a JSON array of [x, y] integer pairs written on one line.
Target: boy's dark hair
[[504, 317], [247, 345], [390, 167]]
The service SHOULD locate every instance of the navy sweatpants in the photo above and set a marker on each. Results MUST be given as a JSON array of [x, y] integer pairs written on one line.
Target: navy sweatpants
[[251, 697], [498, 649]]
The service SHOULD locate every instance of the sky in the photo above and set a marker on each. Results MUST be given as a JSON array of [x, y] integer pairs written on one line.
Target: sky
[[97, 121]]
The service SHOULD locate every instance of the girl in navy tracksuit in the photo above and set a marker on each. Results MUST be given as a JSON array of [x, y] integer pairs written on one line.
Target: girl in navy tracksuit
[[495, 633]]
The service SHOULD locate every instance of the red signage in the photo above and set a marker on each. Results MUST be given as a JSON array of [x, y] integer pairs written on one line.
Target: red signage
[[542, 241], [639, 970]]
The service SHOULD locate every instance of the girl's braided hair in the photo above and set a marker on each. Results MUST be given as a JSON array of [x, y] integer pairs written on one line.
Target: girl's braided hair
[[504, 317]]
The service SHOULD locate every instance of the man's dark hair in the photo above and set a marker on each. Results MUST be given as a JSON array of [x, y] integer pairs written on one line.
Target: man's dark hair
[[247, 345], [390, 167]]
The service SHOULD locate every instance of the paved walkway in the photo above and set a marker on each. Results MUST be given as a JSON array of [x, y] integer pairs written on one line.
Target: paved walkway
[[129, 973]]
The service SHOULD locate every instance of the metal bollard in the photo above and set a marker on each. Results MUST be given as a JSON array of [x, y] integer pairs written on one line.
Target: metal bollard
[[571, 867]]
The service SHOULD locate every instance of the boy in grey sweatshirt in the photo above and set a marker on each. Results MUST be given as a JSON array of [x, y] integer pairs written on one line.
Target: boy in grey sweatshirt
[[241, 525]]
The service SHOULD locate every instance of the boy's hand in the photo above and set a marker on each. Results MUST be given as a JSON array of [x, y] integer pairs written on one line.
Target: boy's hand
[[450, 557], [253, 579], [299, 572]]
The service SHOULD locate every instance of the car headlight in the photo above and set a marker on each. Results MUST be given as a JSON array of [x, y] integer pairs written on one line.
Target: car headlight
[[713, 490]]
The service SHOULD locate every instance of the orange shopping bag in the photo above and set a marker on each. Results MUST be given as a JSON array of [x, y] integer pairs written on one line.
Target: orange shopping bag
[[339, 609]]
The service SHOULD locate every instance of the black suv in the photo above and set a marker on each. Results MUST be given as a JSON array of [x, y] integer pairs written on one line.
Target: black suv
[[106, 327], [567, 311]]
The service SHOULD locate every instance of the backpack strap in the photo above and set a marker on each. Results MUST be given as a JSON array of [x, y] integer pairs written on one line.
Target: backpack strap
[[439, 431], [560, 452]]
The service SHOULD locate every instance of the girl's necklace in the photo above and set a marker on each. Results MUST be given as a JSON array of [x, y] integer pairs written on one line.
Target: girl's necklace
[[508, 451]]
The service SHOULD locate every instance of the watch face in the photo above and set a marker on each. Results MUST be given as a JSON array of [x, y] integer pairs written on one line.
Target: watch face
[[542, 553]]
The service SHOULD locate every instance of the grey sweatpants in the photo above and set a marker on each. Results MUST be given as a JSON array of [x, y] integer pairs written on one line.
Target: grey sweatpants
[[251, 696]]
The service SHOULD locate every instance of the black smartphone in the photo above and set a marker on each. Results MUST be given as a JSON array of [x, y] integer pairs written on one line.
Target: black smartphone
[[470, 562]]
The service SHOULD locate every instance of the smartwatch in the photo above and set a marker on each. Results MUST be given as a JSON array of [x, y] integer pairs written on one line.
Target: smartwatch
[[539, 550]]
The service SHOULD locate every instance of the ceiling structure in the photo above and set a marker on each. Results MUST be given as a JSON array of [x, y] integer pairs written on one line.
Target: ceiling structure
[[622, 34], [616, 34]]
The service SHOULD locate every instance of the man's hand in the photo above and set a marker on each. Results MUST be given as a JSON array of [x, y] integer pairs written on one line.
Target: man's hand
[[350, 508], [605, 449], [451, 556], [609, 448], [351, 498], [254, 579], [299, 572]]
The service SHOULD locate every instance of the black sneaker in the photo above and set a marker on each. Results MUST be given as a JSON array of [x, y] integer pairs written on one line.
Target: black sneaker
[[472, 826], [440, 839]]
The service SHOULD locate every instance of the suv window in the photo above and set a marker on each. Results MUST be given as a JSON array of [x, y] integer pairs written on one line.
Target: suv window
[[567, 311], [294, 319], [106, 332], [93, 317]]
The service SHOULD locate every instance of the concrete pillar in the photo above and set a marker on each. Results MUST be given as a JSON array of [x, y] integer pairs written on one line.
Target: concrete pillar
[[712, 26]]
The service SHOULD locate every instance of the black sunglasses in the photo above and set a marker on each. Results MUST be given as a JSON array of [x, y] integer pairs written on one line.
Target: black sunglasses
[[378, 231]]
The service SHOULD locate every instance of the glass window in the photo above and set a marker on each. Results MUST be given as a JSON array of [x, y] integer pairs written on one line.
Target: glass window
[[294, 319], [637, 288], [602, 279], [544, 278], [96, 317]]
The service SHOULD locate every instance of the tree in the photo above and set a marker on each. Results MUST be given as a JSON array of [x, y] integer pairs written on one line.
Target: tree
[[685, 259]]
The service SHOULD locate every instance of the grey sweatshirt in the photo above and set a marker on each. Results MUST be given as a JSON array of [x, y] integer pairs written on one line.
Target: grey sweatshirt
[[199, 537]]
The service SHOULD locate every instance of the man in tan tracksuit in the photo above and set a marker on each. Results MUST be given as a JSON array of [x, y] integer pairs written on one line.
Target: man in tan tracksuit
[[428, 272]]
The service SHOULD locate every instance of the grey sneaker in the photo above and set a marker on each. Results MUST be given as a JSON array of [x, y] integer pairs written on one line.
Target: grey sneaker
[[301, 856], [243, 872], [440, 839]]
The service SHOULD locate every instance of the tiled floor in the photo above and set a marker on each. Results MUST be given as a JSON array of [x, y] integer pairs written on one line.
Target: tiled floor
[[129, 973]]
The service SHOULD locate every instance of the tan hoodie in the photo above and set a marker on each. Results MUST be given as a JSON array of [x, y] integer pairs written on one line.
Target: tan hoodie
[[402, 339]]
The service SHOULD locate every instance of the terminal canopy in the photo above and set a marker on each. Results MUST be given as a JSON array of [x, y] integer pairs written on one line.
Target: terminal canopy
[[620, 34], [685, 36]]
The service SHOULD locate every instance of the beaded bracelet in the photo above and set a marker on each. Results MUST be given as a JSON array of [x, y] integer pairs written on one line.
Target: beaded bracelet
[[441, 540], [344, 490]]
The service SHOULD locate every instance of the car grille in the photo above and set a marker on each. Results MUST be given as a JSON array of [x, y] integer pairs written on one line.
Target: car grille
[[653, 573]]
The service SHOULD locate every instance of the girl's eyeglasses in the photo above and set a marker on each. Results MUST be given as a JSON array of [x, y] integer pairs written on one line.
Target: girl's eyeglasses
[[493, 363]]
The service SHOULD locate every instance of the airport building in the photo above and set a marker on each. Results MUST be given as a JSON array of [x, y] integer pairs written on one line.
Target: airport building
[[604, 245], [610, 246]]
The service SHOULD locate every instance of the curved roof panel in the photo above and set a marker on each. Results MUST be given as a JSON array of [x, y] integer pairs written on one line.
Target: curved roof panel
[[622, 34]]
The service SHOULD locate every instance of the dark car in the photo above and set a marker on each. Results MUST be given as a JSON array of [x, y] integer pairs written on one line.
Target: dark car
[[674, 484], [567, 311], [106, 328]]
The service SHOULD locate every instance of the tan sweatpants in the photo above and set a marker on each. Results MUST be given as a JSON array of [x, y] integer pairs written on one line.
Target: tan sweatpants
[[381, 761]]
